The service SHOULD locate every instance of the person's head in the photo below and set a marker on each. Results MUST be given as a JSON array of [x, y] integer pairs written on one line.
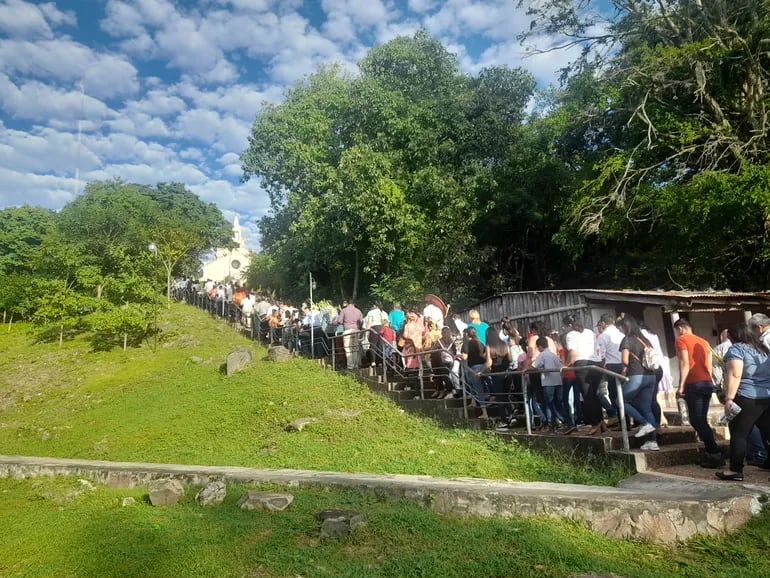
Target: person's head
[[446, 333], [471, 333], [538, 328], [724, 335], [386, 322], [495, 345], [474, 316], [397, 306], [759, 322], [682, 326], [743, 333], [541, 343], [574, 323], [605, 321], [630, 326]]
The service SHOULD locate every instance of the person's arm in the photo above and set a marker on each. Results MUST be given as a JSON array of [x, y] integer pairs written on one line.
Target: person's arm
[[488, 360], [732, 381], [684, 368], [625, 357]]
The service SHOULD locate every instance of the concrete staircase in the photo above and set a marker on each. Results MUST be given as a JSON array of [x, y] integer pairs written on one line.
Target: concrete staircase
[[678, 443]]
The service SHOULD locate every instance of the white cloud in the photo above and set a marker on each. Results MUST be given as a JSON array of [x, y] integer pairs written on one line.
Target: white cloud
[[105, 75], [21, 19], [56, 16], [44, 151], [421, 6], [49, 191], [36, 101]]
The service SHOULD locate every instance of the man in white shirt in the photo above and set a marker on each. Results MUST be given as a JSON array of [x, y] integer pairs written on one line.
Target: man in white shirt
[[608, 343]]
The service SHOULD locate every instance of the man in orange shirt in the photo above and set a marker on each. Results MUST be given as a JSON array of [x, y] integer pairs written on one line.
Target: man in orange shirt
[[694, 355]]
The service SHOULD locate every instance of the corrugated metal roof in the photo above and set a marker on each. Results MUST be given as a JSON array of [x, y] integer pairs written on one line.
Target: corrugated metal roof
[[656, 293]]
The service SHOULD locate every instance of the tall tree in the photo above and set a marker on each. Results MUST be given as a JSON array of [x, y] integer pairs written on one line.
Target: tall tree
[[679, 91], [21, 232]]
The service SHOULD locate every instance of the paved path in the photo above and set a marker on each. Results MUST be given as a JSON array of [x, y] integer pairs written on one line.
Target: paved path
[[647, 506]]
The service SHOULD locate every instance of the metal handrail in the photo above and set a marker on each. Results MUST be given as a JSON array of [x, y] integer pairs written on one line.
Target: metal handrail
[[228, 310]]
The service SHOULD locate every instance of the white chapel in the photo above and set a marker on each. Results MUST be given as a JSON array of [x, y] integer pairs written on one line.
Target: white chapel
[[230, 264]]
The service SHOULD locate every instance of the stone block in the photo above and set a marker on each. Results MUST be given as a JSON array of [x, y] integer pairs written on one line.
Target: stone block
[[336, 523], [265, 501], [238, 360], [165, 492], [278, 353], [212, 495]]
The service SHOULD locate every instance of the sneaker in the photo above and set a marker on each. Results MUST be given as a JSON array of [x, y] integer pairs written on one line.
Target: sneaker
[[647, 428], [712, 460], [650, 446], [502, 427], [450, 395]]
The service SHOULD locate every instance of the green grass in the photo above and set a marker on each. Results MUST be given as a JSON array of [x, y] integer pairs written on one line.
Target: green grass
[[161, 407], [66, 530]]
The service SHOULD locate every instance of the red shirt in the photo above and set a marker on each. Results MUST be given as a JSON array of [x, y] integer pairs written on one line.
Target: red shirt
[[388, 334], [698, 353]]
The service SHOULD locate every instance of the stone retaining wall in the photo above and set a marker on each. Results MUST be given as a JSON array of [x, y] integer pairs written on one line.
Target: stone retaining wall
[[656, 514]]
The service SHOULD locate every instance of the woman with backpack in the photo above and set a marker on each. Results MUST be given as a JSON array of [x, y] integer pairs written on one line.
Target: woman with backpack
[[641, 386]]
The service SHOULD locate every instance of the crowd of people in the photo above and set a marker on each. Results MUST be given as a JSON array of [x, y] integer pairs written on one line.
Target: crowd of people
[[553, 371]]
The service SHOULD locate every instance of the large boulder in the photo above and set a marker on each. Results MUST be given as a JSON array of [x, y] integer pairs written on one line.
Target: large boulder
[[265, 501], [212, 495], [278, 353], [237, 360], [165, 492], [336, 523]]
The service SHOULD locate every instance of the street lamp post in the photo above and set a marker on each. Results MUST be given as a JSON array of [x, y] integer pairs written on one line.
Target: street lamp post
[[153, 248]]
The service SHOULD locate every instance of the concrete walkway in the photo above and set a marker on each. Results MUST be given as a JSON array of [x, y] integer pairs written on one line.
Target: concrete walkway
[[651, 507]]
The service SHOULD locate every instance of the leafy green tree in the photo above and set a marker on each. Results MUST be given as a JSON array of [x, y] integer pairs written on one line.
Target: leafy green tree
[[59, 309], [21, 232], [379, 180], [124, 325]]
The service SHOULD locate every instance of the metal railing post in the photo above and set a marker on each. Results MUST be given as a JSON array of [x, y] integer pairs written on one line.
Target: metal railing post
[[334, 351], [420, 376], [527, 413], [463, 382], [384, 362], [622, 416]]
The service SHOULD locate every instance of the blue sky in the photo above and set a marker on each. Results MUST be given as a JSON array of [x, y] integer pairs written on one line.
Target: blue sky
[[171, 88]]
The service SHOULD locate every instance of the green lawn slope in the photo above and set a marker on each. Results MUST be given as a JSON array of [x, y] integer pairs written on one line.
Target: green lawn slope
[[58, 527], [168, 407]]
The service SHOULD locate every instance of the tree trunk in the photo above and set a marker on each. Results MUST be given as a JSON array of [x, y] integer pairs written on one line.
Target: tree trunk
[[125, 341], [99, 289], [10, 322], [355, 279], [168, 288], [61, 335]]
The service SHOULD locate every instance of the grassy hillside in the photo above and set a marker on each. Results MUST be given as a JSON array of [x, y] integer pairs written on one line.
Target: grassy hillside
[[164, 407], [69, 530]]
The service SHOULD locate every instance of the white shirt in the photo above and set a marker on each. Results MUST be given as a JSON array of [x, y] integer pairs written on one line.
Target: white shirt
[[433, 312], [373, 317], [609, 344], [583, 344]]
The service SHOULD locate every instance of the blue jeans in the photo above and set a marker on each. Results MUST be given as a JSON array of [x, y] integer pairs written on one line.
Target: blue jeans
[[476, 387], [552, 395], [637, 399], [697, 395], [572, 411]]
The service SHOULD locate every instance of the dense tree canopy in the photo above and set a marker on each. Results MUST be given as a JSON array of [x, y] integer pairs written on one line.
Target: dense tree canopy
[[379, 180], [89, 267]]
